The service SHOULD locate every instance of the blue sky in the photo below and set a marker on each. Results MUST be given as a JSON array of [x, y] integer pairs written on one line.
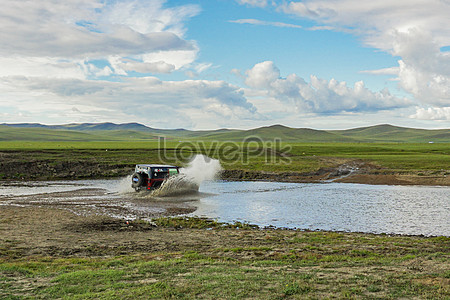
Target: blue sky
[[326, 54], [207, 64]]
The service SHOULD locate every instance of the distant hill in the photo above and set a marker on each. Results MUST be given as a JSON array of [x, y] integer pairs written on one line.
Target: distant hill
[[284, 133], [85, 126], [389, 133], [136, 131]]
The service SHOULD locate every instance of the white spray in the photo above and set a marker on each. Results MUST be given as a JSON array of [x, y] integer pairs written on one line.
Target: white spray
[[124, 186], [200, 168]]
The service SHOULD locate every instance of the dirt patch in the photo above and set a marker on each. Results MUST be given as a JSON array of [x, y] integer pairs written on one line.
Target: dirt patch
[[108, 224]]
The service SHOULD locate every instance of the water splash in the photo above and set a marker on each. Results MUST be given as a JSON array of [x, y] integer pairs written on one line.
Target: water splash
[[200, 168], [124, 186]]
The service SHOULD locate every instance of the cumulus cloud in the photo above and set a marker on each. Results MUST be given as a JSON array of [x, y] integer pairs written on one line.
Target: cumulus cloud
[[262, 75], [414, 30], [424, 71], [319, 95], [432, 113], [146, 98]]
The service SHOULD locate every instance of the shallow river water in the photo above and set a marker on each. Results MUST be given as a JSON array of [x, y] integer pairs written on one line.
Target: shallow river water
[[416, 210]]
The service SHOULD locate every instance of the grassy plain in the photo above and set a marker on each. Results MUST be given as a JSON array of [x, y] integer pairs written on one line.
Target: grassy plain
[[294, 157], [207, 260]]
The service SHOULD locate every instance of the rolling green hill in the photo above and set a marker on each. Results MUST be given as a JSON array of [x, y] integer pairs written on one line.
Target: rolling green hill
[[42, 134], [282, 132], [389, 133], [138, 132]]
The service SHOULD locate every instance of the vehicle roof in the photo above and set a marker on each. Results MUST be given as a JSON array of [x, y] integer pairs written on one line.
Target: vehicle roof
[[155, 166]]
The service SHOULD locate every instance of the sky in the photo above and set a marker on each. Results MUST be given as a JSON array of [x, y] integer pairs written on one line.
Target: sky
[[209, 64]]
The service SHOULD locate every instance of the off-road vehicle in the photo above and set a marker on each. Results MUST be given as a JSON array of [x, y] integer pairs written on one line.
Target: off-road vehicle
[[151, 177]]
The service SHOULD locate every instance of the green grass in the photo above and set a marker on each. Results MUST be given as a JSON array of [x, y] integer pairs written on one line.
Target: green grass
[[297, 151], [427, 159], [286, 264]]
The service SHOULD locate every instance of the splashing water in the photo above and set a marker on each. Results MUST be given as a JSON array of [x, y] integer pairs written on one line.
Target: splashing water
[[124, 186], [201, 168]]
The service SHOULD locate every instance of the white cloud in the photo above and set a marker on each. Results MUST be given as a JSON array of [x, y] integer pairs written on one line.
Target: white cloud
[[432, 113], [424, 71], [265, 23], [185, 103], [128, 65], [42, 66], [415, 30], [319, 95], [384, 71], [256, 3], [262, 75], [76, 30], [148, 16], [375, 20]]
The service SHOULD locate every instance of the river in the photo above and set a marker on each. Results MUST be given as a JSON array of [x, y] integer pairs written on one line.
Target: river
[[411, 210]]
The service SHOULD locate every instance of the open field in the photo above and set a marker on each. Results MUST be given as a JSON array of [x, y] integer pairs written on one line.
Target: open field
[[305, 162], [48, 254]]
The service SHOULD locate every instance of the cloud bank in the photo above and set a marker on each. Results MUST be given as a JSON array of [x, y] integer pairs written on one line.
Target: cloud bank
[[318, 95]]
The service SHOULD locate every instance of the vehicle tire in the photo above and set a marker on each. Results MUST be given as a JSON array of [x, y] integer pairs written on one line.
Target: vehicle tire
[[136, 180]]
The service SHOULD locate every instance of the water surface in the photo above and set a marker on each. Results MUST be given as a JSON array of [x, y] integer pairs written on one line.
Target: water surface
[[332, 206], [417, 210]]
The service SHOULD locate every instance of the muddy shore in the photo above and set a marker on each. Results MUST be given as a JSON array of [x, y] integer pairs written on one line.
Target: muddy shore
[[42, 231]]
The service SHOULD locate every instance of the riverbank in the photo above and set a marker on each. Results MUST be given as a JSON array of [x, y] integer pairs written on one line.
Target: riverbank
[[49, 253], [94, 163], [344, 175]]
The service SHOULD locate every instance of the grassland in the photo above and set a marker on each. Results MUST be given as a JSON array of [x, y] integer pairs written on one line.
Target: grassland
[[49, 254], [187, 258], [64, 159], [45, 153]]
